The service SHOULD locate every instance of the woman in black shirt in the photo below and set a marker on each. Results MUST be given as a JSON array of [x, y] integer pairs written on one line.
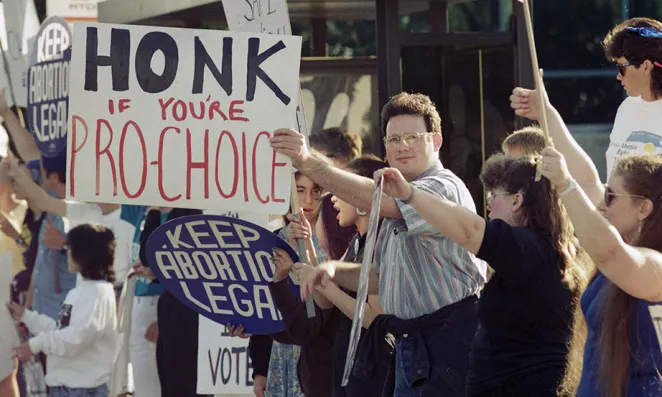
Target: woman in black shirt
[[526, 311]]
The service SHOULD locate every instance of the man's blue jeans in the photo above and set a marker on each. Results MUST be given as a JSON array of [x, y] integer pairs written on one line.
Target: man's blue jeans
[[435, 362]]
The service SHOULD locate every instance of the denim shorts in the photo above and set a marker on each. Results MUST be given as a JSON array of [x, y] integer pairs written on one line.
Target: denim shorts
[[63, 391]]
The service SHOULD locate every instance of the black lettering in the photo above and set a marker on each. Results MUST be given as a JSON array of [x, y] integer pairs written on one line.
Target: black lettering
[[252, 17], [249, 367], [237, 351], [120, 47], [224, 378], [203, 59], [152, 42], [254, 70], [213, 367], [269, 10]]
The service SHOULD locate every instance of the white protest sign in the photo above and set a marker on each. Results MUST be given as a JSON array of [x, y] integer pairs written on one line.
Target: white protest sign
[[656, 316], [224, 366], [638, 143], [21, 25], [215, 374], [265, 16], [180, 117]]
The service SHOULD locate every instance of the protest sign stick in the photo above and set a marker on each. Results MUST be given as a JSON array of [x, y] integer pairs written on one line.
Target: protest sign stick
[[301, 247], [536, 74], [11, 89]]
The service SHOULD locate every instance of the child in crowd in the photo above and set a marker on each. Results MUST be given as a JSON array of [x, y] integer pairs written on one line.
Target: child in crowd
[[82, 344]]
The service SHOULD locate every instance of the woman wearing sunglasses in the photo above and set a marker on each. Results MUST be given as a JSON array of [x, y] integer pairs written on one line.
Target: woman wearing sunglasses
[[622, 355], [635, 47]]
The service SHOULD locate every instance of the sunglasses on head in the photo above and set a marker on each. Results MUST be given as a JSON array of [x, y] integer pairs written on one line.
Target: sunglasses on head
[[610, 195]]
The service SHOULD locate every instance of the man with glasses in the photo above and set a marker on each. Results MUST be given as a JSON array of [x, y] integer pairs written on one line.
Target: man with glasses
[[427, 283]]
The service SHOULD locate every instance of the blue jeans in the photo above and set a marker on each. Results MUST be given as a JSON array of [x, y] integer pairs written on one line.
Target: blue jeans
[[62, 391], [445, 371]]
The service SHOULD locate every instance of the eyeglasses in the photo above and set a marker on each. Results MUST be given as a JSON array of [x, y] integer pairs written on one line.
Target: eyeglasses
[[491, 196], [610, 196], [409, 138], [622, 67]]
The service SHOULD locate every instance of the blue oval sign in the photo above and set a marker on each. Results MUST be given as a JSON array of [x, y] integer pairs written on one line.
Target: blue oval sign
[[221, 268], [48, 87]]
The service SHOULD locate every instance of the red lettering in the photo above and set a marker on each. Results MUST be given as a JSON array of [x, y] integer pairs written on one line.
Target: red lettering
[[164, 106], [216, 107], [182, 114], [75, 149], [106, 151], [243, 162], [111, 107], [143, 175], [123, 104], [234, 111], [275, 164], [160, 165], [190, 164], [191, 108], [257, 192], [235, 151]]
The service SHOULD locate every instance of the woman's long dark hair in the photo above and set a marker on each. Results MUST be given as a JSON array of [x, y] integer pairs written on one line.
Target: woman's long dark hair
[[642, 176], [543, 211]]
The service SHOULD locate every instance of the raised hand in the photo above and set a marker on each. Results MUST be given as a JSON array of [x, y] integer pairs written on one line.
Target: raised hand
[[292, 144], [554, 168], [394, 185]]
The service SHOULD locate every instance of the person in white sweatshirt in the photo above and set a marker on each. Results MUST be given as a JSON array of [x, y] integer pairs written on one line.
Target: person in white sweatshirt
[[82, 344]]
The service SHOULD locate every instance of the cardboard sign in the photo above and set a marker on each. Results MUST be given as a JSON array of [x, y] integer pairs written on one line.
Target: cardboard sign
[[224, 366], [48, 86], [220, 267], [180, 117], [266, 16], [362, 291], [21, 25]]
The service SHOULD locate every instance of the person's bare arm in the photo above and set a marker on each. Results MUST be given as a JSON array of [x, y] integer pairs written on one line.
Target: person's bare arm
[[22, 138], [637, 271], [349, 187], [347, 275], [35, 194], [580, 165]]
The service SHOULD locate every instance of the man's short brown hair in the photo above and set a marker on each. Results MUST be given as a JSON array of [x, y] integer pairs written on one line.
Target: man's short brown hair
[[414, 105], [636, 48], [334, 142], [530, 140]]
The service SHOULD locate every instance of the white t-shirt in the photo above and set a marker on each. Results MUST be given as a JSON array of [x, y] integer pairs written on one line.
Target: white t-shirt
[[79, 213], [637, 130], [82, 344]]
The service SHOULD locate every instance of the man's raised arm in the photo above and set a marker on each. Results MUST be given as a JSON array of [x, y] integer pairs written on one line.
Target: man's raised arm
[[354, 189]]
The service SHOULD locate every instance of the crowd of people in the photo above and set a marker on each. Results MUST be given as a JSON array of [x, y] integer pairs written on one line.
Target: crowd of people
[[549, 295]]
